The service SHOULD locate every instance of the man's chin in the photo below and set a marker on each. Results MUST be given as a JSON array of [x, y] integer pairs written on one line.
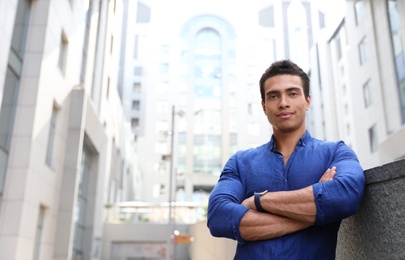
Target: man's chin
[[286, 129]]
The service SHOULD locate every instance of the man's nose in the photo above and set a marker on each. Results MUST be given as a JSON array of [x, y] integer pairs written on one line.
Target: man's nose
[[283, 102]]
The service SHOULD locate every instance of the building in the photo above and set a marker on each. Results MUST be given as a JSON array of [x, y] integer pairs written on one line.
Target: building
[[358, 74], [192, 78], [377, 76], [66, 153]]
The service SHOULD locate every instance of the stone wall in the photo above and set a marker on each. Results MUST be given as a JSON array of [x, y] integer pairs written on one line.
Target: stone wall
[[377, 231]]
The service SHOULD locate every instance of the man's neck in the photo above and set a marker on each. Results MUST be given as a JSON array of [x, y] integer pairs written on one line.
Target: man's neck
[[286, 142]]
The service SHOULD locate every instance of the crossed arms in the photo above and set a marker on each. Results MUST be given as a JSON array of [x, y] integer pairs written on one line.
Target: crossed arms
[[287, 212], [335, 196]]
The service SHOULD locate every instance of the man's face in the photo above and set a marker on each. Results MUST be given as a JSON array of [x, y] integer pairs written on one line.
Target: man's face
[[285, 104]]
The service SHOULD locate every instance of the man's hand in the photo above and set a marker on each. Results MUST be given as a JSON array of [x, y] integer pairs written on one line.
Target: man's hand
[[249, 202], [328, 175]]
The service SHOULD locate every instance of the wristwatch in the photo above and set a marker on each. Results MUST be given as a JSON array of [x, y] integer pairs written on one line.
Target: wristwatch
[[257, 200]]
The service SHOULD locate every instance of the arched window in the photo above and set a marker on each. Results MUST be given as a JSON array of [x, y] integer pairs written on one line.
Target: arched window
[[207, 58]]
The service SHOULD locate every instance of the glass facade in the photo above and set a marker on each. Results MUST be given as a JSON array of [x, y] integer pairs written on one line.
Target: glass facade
[[81, 206], [12, 83], [359, 11], [362, 51], [367, 94], [397, 46], [207, 98], [51, 139]]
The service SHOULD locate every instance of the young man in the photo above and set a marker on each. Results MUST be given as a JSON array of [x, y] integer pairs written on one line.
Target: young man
[[286, 198]]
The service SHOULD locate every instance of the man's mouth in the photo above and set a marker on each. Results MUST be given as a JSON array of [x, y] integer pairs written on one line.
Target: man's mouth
[[285, 115]]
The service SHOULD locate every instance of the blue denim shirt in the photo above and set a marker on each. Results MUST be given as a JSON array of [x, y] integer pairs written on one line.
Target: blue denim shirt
[[262, 168]]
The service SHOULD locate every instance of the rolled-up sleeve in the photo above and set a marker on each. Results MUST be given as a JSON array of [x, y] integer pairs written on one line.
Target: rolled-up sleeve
[[341, 197], [224, 209]]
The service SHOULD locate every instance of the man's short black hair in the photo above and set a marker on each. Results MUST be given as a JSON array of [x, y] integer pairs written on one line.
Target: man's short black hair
[[284, 67]]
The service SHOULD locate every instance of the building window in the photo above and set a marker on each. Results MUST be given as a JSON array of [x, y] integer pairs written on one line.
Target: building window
[[339, 47], [164, 68], [207, 154], [346, 109], [138, 71], [362, 51], [11, 86], [39, 231], [85, 46], [137, 87], [82, 202], [358, 11], [398, 51], [372, 133], [208, 64], [136, 44], [136, 104], [161, 167], [143, 13], [108, 88], [50, 151], [63, 50], [164, 50], [134, 122], [321, 17], [367, 94], [111, 44], [18, 40]]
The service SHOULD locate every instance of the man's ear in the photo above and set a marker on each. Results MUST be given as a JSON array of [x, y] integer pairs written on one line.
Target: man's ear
[[263, 107], [308, 102]]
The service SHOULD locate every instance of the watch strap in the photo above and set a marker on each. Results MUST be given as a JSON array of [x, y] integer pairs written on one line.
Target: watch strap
[[257, 200]]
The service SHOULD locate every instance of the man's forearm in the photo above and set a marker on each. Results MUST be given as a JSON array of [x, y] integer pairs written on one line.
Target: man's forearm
[[297, 205], [257, 225]]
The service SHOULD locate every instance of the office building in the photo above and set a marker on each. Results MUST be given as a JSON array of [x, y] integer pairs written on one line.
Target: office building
[[358, 76], [66, 152], [192, 76]]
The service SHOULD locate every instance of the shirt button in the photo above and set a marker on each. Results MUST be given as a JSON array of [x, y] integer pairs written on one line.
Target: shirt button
[[285, 179]]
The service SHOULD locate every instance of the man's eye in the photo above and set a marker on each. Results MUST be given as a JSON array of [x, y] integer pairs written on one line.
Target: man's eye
[[294, 94]]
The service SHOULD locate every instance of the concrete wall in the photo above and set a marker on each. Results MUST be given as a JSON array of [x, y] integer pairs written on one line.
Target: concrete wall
[[377, 230], [123, 241], [206, 246]]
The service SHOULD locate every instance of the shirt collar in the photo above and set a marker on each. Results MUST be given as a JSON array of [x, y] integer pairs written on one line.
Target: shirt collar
[[301, 142]]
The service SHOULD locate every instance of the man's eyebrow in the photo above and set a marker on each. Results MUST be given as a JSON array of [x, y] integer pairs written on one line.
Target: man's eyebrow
[[286, 90], [293, 89], [272, 92]]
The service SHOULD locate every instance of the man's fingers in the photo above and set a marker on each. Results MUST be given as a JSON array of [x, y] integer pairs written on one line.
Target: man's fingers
[[328, 175]]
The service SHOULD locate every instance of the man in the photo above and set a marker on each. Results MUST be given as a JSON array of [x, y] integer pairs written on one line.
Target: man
[[286, 198]]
